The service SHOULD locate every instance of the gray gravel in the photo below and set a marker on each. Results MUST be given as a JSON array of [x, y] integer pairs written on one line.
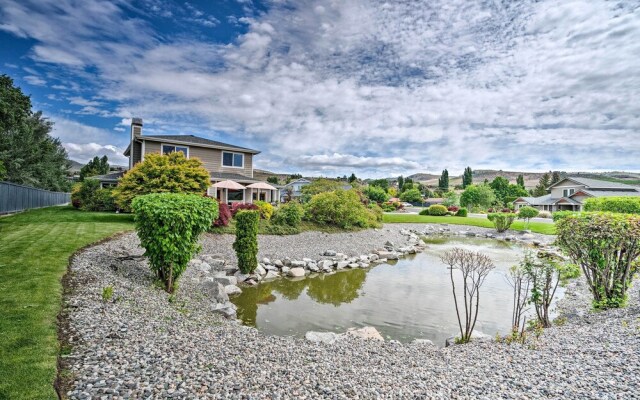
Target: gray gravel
[[146, 344]]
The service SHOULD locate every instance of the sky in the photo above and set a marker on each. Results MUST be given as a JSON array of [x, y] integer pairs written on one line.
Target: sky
[[331, 87]]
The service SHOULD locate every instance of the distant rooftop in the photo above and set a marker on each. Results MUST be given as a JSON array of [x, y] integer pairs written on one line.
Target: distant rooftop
[[199, 141]]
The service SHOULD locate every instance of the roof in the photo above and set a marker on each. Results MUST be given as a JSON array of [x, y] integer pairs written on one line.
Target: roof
[[299, 180], [608, 193], [546, 200], [231, 176], [110, 177], [193, 140], [596, 183]]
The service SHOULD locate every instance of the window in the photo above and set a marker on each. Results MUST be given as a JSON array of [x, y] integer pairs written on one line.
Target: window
[[568, 192], [169, 148], [235, 160], [235, 195]]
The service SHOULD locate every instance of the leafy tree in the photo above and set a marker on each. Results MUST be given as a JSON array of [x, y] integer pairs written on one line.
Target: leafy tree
[[319, 186], [393, 192], [477, 196], [513, 192], [467, 177], [451, 198], [520, 181], [97, 166], [400, 182], [543, 184], [171, 173], [352, 178], [443, 181], [273, 179], [381, 183], [3, 171], [376, 194], [500, 186], [527, 213], [411, 196]]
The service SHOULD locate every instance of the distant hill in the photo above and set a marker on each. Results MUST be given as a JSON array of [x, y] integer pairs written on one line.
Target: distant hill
[[262, 175], [75, 166]]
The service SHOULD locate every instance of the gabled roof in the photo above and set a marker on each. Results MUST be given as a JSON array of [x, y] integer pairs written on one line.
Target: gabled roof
[[223, 176], [607, 193], [546, 200], [299, 180], [194, 141], [110, 177], [595, 183]]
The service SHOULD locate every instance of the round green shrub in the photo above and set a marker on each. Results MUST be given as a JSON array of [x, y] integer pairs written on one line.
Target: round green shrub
[[437, 210], [501, 221], [266, 209], [340, 208], [246, 243], [169, 225], [289, 214], [462, 212]]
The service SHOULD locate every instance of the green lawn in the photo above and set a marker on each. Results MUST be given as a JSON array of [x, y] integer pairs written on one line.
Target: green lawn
[[538, 227], [34, 253]]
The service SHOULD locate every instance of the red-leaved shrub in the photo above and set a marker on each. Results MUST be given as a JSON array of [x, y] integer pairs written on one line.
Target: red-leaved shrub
[[453, 209], [224, 215], [235, 207]]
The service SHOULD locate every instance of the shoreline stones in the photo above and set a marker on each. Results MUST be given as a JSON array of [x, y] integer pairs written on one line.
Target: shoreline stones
[[366, 333]]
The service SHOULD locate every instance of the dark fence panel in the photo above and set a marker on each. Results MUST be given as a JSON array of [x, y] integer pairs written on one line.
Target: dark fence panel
[[15, 198]]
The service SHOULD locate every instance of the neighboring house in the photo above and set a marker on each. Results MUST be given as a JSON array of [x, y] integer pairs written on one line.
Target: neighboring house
[[293, 189], [570, 193], [223, 161]]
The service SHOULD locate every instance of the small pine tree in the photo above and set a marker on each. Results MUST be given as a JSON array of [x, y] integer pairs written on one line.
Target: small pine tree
[[555, 177], [520, 181], [352, 178], [443, 182], [467, 177], [543, 184], [273, 179], [400, 182]]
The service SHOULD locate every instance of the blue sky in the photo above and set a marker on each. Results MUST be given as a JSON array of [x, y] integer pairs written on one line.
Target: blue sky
[[331, 87]]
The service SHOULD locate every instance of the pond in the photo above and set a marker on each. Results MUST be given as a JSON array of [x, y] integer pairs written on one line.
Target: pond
[[404, 301]]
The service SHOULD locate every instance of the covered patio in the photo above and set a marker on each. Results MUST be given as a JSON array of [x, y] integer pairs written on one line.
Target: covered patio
[[240, 189]]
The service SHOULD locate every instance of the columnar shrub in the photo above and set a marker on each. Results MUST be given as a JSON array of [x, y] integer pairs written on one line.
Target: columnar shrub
[[461, 212], [246, 244], [527, 213], [290, 214], [605, 246], [169, 225], [266, 209], [340, 208], [501, 221], [626, 205], [437, 209], [224, 215]]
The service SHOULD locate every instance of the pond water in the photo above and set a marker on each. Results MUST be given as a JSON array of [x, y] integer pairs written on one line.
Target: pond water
[[404, 301]]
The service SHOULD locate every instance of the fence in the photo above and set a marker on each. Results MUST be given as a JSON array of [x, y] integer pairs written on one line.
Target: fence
[[14, 198]]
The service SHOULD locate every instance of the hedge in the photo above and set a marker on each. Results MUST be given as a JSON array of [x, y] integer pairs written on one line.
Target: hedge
[[626, 205]]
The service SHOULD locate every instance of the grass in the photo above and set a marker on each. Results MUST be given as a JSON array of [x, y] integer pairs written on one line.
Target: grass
[[537, 227], [34, 253]]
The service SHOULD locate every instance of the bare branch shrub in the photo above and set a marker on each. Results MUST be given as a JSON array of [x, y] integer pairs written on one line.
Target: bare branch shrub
[[474, 268]]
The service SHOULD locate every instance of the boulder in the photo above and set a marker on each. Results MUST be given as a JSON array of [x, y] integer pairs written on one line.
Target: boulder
[[298, 264], [313, 267], [260, 271], [322, 337], [329, 253], [216, 263], [266, 261], [287, 262], [215, 291], [226, 280], [353, 265], [285, 270], [325, 264], [368, 332], [227, 309], [270, 267], [296, 272], [232, 290], [240, 276], [342, 264], [271, 275], [278, 263]]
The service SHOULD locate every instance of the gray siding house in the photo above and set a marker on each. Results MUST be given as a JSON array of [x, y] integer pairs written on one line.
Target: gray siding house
[[570, 193]]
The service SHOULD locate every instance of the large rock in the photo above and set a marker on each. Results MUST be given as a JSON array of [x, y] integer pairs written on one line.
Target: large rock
[[271, 275], [329, 253], [313, 267], [342, 264], [216, 263], [226, 280], [260, 270], [325, 265], [368, 332], [322, 337], [296, 272], [215, 291], [227, 309], [298, 264], [232, 290]]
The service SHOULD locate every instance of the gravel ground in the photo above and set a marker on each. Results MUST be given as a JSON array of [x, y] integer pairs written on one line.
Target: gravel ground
[[144, 343]]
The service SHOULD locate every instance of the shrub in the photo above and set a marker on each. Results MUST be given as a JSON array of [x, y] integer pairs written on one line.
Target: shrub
[[266, 209], [388, 207], [376, 194], [224, 215], [527, 213], [506, 210], [87, 195], [340, 208], [543, 273], [453, 209], [168, 225], [501, 221], [605, 246], [289, 214], [75, 195], [558, 215], [411, 196], [461, 212], [625, 205], [544, 214], [437, 209], [235, 207], [377, 211], [281, 230], [171, 173], [246, 243]]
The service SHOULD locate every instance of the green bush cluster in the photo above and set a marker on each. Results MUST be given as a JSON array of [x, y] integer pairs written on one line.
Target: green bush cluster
[[501, 221], [625, 205], [376, 194], [558, 215], [411, 196], [88, 196], [246, 243], [462, 212], [169, 225], [606, 247], [289, 214], [436, 210], [340, 208], [266, 209]]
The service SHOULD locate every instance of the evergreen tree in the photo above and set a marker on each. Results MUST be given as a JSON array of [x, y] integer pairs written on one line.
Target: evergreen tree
[[400, 183], [467, 177], [443, 182], [352, 178], [555, 177], [273, 179], [520, 181], [543, 184], [97, 166]]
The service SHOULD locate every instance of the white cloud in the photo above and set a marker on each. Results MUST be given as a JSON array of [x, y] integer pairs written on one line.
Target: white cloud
[[83, 152], [35, 80], [374, 86]]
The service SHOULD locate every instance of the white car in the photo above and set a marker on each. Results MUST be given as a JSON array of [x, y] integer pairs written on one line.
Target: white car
[[405, 205]]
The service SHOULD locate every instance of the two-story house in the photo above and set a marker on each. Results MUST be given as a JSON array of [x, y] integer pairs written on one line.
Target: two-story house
[[570, 193], [225, 162]]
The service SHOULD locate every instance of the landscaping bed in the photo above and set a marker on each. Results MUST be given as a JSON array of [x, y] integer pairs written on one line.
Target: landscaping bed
[[143, 342]]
